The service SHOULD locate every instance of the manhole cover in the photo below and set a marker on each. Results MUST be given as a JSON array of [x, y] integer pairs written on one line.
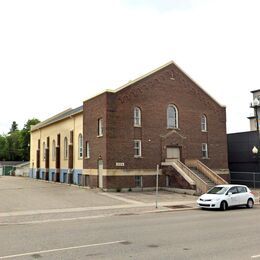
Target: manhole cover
[[179, 207]]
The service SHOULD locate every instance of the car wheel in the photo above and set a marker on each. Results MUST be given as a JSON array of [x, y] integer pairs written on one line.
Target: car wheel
[[250, 203], [223, 205]]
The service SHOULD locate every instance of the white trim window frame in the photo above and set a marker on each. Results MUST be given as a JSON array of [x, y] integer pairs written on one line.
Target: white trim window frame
[[203, 122], [87, 150], [204, 150], [100, 127], [137, 117], [137, 148], [80, 146], [172, 117]]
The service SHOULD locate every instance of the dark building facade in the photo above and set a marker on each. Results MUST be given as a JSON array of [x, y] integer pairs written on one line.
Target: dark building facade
[[154, 119], [244, 165], [243, 150]]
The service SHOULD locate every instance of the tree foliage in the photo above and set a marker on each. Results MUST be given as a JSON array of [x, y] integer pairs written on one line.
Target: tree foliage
[[15, 146]]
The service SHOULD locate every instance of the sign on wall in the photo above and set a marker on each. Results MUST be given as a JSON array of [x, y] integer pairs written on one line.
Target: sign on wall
[[120, 164]]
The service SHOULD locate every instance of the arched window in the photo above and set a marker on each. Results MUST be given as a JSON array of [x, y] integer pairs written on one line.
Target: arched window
[[172, 117], [43, 151], [137, 116], [53, 150], [65, 148], [80, 145], [203, 123]]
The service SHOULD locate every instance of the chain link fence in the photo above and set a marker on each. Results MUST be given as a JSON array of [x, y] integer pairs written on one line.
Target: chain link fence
[[250, 179]]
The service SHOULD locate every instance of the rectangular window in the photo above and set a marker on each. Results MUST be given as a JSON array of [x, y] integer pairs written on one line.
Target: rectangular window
[[137, 116], [100, 127], [87, 150], [80, 152], [139, 181], [137, 148], [203, 123], [80, 143], [204, 149]]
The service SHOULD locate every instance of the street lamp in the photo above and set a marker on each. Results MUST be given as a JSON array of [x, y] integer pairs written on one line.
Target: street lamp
[[255, 150]]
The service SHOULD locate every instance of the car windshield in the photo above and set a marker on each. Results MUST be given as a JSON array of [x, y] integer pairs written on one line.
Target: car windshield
[[217, 190]]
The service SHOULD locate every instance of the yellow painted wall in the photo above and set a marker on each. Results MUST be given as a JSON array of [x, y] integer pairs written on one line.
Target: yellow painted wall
[[63, 128], [33, 148]]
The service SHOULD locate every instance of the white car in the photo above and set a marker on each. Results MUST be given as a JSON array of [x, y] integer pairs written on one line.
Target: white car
[[225, 196]]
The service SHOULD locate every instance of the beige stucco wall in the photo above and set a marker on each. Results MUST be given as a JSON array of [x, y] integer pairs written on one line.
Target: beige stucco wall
[[63, 128]]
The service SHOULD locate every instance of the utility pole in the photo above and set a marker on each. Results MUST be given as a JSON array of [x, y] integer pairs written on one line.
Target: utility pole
[[157, 183]]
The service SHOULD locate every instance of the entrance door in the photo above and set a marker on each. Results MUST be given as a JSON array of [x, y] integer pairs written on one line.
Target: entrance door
[[100, 174], [173, 153]]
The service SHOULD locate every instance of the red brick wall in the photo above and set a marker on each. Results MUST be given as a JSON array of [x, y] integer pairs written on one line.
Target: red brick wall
[[93, 110]]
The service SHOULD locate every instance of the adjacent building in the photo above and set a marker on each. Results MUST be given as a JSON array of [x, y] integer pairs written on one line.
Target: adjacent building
[[57, 147], [243, 149], [162, 118]]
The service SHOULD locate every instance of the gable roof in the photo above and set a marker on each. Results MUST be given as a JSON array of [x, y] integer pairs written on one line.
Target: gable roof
[[131, 82], [65, 114]]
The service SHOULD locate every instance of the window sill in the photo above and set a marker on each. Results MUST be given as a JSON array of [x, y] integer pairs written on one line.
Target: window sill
[[138, 126], [205, 158], [87, 158], [98, 136], [173, 128], [204, 131], [138, 157]]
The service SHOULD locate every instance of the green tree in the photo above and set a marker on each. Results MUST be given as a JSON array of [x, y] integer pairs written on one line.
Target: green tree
[[14, 127], [25, 135], [3, 148], [15, 151], [15, 146]]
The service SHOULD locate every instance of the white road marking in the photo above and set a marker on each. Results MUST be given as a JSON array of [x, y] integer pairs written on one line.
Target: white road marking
[[61, 249]]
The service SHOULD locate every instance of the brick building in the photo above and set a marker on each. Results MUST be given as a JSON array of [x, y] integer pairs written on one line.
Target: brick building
[[117, 139], [162, 118]]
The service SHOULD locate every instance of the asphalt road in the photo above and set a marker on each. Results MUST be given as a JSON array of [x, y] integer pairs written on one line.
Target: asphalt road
[[193, 234]]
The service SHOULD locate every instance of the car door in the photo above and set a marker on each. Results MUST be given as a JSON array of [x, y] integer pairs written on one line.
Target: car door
[[243, 196], [233, 198]]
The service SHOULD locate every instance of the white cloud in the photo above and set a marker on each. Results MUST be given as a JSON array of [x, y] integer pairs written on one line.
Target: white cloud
[[54, 54]]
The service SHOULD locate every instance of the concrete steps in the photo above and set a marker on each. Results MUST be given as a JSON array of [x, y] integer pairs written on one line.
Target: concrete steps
[[203, 177]]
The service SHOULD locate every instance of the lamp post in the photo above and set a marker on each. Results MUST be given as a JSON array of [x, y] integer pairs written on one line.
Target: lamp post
[[255, 152]]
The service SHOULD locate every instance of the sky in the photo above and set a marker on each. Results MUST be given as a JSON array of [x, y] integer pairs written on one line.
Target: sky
[[56, 54]]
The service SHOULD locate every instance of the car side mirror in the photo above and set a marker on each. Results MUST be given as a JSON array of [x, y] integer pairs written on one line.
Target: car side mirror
[[230, 193]]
